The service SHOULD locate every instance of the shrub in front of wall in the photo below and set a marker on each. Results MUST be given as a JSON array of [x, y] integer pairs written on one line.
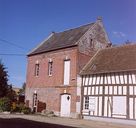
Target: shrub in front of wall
[[5, 104], [26, 110], [20, 108]]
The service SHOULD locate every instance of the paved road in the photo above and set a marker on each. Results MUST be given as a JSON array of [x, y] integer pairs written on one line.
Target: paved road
[[38, 121], [23, 123]]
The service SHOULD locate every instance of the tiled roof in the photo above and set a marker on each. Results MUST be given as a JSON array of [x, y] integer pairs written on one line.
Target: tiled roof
[[60, 40], [113, 59]]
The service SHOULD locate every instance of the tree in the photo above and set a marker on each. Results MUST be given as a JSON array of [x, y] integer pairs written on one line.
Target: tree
[[3, 80], [22, 90]]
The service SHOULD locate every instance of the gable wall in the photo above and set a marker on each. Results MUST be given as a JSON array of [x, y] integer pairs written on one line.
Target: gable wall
[[95, 38], [97, 35]]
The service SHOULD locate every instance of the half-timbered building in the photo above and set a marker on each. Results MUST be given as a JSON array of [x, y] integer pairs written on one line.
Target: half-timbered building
[[109, 83]]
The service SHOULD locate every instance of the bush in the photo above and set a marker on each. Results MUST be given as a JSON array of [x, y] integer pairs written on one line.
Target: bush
[[16, 107], [26, 110], [21, 108], [5, 104]]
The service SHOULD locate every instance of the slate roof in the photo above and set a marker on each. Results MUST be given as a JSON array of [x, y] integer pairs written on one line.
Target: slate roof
[[115, 59], [60, 40]]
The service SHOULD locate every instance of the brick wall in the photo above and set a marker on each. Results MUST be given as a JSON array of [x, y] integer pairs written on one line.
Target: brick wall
[[50, 88], [58, 57]]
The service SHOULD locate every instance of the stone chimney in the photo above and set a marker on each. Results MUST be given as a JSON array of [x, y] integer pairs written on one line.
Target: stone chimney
[[99, 18]]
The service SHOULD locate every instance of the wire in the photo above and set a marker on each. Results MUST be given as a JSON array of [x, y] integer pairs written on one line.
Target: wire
[[13, 44], [12, 54]]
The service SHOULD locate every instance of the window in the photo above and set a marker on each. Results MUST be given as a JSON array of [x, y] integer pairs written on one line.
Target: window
[[50, 68], [35, 102], [66, 72], [37, 69], [91, 43], [87, 102]]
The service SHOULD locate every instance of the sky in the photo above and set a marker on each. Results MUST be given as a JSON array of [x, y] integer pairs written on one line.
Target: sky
[[26, 23]]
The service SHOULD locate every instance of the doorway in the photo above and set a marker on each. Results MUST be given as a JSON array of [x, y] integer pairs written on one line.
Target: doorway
[[65, 105]]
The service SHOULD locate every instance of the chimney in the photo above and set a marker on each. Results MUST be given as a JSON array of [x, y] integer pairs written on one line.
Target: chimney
[[53, 32], [109, 45], [99, 18]]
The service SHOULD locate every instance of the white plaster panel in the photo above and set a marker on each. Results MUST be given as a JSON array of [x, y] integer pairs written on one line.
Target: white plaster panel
[[106, 89], [109, 79], [134, 78], [130, 79], [121, 79], [113, 79], [105, 80], [101, 80], [85, 90], [86, 81], [90, 81], [135, 90], [92, 90], [110, 89], [131, 90], [135, 107], [83, 80], [94, 80], [117, 79], [98, 80], [125, 78], [105, 106], [101, 90], [115, 89], [100, 106], [89, 90], [96, 90], [120, 90], [124, 90], [131, 108], [96, 105], [109, 109]]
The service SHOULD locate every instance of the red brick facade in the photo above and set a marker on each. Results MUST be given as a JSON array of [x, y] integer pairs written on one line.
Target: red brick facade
[[58, 57], [50, 88]]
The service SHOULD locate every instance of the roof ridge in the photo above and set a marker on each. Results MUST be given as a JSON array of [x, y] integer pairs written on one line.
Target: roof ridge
[[76, 27], [118, 59], [118, 46]]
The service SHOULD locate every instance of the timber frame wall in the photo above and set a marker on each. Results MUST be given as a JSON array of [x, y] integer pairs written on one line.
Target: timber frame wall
[[109, 95]]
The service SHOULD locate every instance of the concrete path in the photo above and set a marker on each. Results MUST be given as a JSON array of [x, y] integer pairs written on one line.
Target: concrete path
[[71, 122]]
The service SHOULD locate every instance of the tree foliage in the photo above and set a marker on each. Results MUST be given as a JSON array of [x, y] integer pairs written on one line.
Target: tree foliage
[[22, 90], [5, 104], [5, 89], [3, 80]]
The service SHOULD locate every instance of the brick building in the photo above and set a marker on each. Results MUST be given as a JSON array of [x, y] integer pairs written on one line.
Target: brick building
[[53, 80]]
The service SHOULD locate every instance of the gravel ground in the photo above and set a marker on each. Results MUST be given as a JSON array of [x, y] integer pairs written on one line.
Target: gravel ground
[[67, 121]]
